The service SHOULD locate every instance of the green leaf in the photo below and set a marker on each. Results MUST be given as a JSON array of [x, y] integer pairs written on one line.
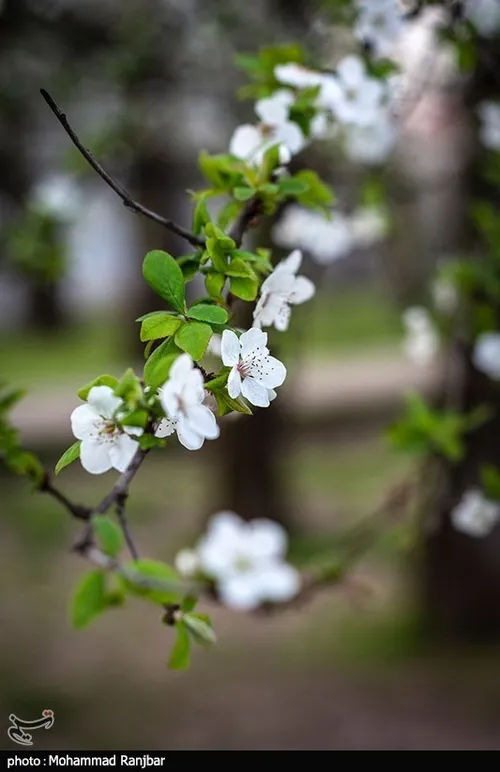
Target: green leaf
[[214, 283], [246, 289], [164, 276], [137, 417], [9, 398], [198, 626], [129, 387], [204, 312], [89, 599], [270, 162], [158, 365], [102, 380], [153, 580], [109, 535], [227, 404], [180, 656], [490, 478], [159, 324], [318, 195], [238, 267], [69, 455], [147, 442], [189, 603], [201, 215], [243, 194], [228, 213], [291, 186], [193, 338]]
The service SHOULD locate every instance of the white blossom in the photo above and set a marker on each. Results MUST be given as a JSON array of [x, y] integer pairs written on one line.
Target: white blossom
[[253, 370], [251, 142], [182, 399], [282, 289], [379, 23], [475, 515], [486, 355], [298, 76], [371, 144], [246, 560], [325, 240], [359, 98], [187, 562], [421, 342], [489, 134], [485, 15], [105, 444]]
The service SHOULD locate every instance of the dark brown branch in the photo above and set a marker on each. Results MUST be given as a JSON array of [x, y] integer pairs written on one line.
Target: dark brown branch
[[113, 184], [120, 488], [247, 219], [120, 513], [76, 510]]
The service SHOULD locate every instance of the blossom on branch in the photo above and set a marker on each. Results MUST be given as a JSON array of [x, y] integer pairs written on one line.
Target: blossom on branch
[[246, 560], [253, 371], [282, 289], [105, 444], [182, 399], [251, 142], [475, 515], [379, 23]]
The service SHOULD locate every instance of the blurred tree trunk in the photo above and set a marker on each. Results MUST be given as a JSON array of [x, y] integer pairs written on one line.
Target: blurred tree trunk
[[461, 575]]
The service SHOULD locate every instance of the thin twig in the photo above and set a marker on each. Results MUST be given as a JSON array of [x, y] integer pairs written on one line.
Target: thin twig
[[76, 510], [120, 513], [246, 219], [129, 202], [120, 488]]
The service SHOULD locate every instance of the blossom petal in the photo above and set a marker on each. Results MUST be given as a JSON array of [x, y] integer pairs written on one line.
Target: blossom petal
[[351, 71], [290, 135], [181, 368], [266, 539], [94, 455], [240, 592], [85, 421], [282, 318], [166, 427], [122, 450], [292, 262], [102, 399], [268, 370], [255, 392], [279, 582], [273, 110], [187, 434], [230, 348], [251, 340], [245, 141], [303, 290], [134, 431], [234, 383], [204, 420]]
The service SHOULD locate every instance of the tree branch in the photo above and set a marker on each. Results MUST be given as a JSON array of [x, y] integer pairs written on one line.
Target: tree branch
[[120, 488], [247, 219], [128, 201], [120, 513], [76, 510]]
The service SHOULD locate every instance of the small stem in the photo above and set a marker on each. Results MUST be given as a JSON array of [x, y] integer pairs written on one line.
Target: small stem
[[121, 487], [76, 510], [246, 219], [113, 184], [120, 513]]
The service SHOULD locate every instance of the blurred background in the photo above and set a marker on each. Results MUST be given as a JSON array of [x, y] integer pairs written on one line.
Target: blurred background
[[147, 84]]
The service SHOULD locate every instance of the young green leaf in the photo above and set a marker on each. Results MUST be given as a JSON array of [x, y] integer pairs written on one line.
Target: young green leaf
[[203, 312], [109, 535], [246, 289], [153, 580], [164, 276], [238, 267], [214, 282], [69, 455], [193, 338], [227, 404], [179, 658], [89, 599], [159, 324], [102, 380], [198, 626], [490, 478], [129, 387], [243, 194], [158, 365], [200, 215]]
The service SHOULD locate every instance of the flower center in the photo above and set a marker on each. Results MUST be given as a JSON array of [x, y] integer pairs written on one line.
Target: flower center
[[243, 565], [267, 130], [243, 369]]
